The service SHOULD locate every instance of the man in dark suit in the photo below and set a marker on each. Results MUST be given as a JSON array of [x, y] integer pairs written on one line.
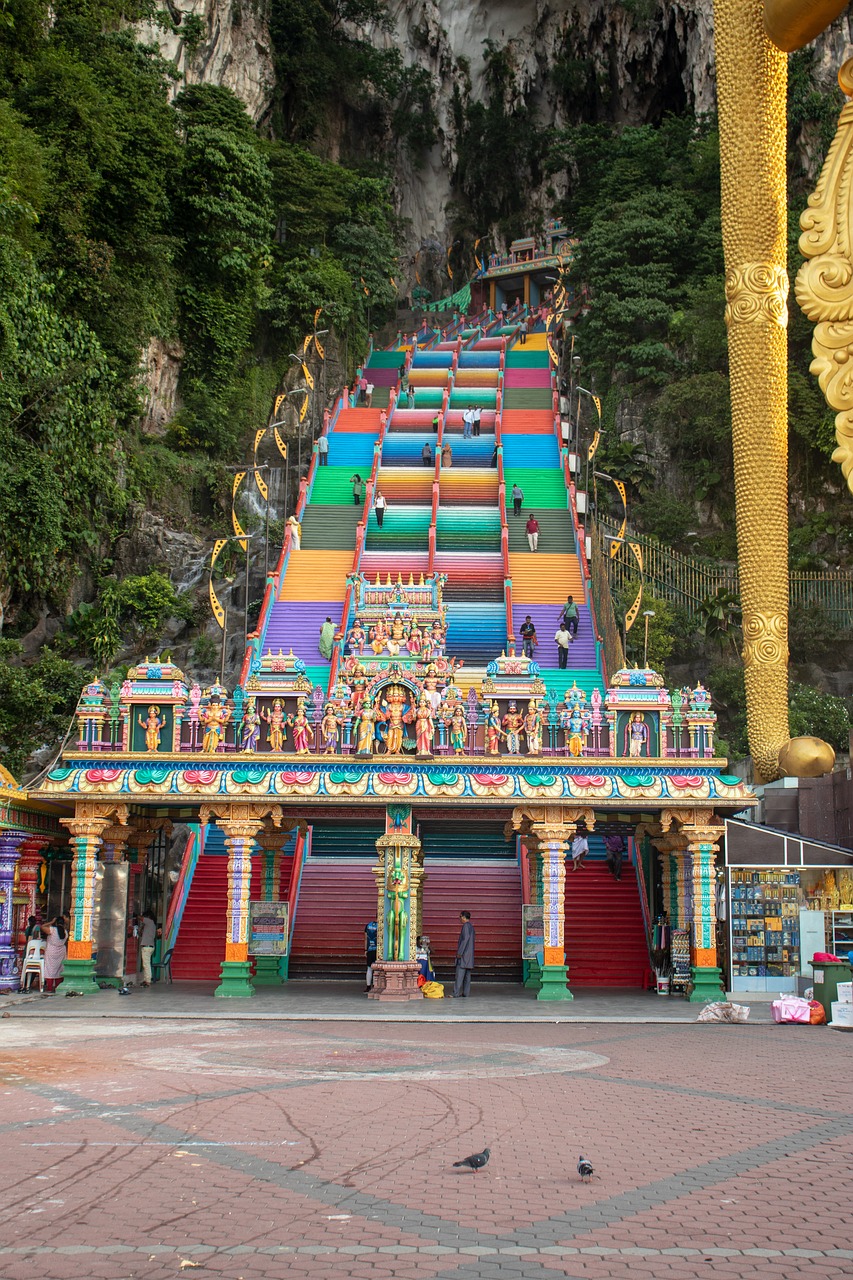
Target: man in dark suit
[[464, 956]]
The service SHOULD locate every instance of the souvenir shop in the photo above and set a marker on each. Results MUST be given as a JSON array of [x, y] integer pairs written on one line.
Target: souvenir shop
[[786, 899]]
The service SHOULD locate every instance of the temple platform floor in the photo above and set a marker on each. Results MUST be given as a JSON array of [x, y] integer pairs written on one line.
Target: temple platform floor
[[303, 1000]]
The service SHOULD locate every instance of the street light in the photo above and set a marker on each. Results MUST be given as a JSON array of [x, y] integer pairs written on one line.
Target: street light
[[647, 613]]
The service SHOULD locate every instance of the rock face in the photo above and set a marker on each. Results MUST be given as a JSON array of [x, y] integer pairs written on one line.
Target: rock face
[[161, 367], [222, 42]]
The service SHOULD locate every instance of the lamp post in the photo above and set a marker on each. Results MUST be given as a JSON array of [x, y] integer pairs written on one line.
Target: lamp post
[[647, 613]]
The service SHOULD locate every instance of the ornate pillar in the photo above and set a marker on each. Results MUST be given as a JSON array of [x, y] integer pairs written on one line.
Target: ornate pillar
[[552, 828], [399, 876], [239, 823], [695, 844], [86, 828], [271, 971], [29, 867], [11, 843], [533, 980]]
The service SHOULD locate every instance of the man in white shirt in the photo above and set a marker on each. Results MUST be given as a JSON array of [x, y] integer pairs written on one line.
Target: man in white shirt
[[323, 450], [368, 395], [580, 848], [563, 640]]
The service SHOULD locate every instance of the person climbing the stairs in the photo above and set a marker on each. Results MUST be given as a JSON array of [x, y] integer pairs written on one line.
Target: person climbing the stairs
[[528, 637], [517, 499], [357, 488], [426, 455], [532, 528], [571, 617], [368, 395], [447, 455], [522, 333], [323, 451]]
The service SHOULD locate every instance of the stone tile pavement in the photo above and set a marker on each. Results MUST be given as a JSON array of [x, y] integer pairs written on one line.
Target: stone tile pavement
[[155, 1148]]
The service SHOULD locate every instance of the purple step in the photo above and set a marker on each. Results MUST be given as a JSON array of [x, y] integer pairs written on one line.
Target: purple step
[[545, 618], [295, 624]]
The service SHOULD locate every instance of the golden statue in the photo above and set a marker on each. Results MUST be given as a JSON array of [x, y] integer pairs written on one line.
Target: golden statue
[[751, 86]]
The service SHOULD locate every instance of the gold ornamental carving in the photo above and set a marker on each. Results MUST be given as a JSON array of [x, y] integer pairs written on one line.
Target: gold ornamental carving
[[824, 285], [765, 639], [757, 292], [792, 23]]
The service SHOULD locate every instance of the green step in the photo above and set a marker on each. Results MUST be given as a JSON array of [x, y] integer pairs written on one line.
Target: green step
[[386, 359], [518, 358], [470, 397], [527, 398], [333, 486], [556, 534], [428, 397], [559, 682], [468, 529], [542, 486], [330, 528], [319, 675], [405, 529]]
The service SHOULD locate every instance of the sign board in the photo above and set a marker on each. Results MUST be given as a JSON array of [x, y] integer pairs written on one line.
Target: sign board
[[268, 928], [532, 932]]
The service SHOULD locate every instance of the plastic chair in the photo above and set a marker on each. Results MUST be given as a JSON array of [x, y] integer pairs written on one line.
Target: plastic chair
[[33, 964], [165, 965]]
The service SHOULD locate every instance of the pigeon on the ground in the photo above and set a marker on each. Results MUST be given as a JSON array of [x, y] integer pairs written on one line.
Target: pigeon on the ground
[[584, 1168], [124, 991], [479, 1161]]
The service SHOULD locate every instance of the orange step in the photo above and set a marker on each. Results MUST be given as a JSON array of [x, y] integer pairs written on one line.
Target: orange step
[[544, 579], [538, 422], [359, 420], [316, 575]]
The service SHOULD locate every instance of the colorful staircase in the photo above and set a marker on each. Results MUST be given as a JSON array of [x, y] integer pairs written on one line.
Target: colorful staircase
[[605, 934]]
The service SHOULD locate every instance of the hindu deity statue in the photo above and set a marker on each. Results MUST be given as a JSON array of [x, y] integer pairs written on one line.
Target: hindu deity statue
[[277, 722], [358, 680], [397, 888], [250, 731], [513, 723], [393, 710], [356, 640], [493, 729], [431, 687], [636, 741], [365, 727], [152, 725], [329, 726], [214, 717], [437, 638], [458, 726], [398, 631], [533, 729], [424, 726], [302, 731], [378, 637], [415, 642], [574, 732]]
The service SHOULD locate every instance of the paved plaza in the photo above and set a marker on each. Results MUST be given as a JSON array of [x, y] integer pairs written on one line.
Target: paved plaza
[[154, 1148]]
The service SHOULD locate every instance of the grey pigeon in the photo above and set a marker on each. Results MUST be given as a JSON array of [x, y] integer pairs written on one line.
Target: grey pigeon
[[584, 1168], [479, 1161]]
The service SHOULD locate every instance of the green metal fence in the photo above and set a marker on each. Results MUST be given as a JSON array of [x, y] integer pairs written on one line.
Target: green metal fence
[[687, 580]]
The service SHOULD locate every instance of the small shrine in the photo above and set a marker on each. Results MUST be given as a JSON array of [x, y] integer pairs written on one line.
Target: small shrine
[[392, 620]]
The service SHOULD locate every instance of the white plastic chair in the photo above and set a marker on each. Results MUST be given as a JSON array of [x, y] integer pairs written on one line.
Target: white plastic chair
[[33, 964]]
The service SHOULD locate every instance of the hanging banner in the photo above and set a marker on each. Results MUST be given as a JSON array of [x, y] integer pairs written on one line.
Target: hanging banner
[[304, 408], [593, 448], [616, 544], [218, 611], [555, 359], [364, 287], [476, 259], [281, 446], [278, 402], [308, 376], [238, 528], [259, 480], [631, 615], [597, 404], [449, 268], [620, 489], [317, 315], [638, 553]]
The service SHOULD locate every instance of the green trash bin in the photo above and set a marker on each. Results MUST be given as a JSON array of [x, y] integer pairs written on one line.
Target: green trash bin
[[827, 975]]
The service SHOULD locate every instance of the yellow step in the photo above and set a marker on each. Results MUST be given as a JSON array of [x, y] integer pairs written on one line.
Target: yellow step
[[316, 575], [544, 579]]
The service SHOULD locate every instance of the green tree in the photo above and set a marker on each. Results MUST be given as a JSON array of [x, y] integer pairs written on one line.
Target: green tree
[[36, 702]]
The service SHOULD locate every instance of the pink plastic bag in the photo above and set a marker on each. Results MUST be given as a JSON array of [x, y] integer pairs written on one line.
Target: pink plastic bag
[[791, 1009]]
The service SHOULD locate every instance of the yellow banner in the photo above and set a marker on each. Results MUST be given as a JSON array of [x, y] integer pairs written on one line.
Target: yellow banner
[[308, 376], [631, 615], [304, 409], [262, 485], [638, 553], [308, 339], [597, 403], [218, 611], [259, 480], [259, 435], [449, 268], [317, 315], [553, 354], [620, 488], [476, 259], [282, 447], [593, 448], [320, 349], [238, 528], [616, 545]]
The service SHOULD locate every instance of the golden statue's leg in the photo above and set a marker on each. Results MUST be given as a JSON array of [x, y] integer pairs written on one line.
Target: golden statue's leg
[[751, 79]]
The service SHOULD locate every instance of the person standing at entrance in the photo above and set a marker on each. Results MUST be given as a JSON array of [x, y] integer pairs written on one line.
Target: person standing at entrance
[[371, 932], [464, 956], [55, 951], [532, 528], [147, 942]]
